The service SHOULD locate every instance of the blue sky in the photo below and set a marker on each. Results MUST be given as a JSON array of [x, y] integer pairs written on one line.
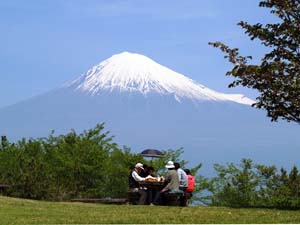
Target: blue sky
[[45, 43]]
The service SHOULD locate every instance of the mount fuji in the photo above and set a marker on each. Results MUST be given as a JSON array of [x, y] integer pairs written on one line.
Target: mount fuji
[[127, 72], [147, 105]]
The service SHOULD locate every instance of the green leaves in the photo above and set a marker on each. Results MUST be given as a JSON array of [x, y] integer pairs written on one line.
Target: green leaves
[[73, 165], [277, 77], [254, 185], [62, 167]]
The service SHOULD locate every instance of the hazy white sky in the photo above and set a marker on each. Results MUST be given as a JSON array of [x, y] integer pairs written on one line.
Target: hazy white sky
[[44, 43]]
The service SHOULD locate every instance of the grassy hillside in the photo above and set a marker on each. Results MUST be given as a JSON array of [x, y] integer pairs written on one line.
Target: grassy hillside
[[18, 211]]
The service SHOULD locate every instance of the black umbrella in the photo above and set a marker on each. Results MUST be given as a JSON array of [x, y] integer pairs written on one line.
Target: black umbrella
[[152, 153]]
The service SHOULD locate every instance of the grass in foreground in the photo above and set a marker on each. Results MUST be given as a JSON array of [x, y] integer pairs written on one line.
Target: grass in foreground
[[20, 211]]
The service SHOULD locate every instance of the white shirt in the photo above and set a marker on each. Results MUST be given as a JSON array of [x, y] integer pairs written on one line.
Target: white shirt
[[183, 178], [137, 177]]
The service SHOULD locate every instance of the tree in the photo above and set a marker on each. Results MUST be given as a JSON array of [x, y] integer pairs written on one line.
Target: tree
[[4, 142], [294, 182], [277, 77], [234, 186], [72, 165]]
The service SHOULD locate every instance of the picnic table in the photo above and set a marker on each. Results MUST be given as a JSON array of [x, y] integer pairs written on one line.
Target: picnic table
[[152, 188], [171, 198], [155, 185]]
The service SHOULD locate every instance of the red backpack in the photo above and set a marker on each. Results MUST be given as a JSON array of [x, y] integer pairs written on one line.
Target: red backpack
[[191, 183]]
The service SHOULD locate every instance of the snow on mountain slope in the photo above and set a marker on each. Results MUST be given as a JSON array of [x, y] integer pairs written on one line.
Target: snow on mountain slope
[[131, 72]]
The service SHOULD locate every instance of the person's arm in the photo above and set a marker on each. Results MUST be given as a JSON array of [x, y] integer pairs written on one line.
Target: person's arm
[[182, 178], [168, 179], [186, 180], [137, 177], [165, 188]]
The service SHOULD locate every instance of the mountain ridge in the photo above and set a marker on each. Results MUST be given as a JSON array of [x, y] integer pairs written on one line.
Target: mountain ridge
[[132, 72]]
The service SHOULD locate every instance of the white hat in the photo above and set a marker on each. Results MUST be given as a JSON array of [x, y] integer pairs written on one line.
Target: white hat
[[139, 165], [170, 165]]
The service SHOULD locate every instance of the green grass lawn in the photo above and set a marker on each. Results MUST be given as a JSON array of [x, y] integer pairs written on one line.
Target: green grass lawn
[[20, 211]]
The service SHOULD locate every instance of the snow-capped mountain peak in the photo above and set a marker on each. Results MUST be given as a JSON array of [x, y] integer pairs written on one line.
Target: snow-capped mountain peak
[[132, 72]]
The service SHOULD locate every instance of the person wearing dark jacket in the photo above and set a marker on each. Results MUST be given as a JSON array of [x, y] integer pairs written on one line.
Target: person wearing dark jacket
[[134, 186]]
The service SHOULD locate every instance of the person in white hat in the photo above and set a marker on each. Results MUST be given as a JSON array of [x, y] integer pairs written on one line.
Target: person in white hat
[[173, 184], [134, 185]]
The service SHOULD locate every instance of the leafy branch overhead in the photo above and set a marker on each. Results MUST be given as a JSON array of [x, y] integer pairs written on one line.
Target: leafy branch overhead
[[277, 77]]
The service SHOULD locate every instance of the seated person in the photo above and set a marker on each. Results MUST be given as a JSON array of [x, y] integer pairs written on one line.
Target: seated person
[[172, 184], [134, 186], [182, 176], [148, 172], [144, 172], [183, 182], [191, 181], [191, 185]]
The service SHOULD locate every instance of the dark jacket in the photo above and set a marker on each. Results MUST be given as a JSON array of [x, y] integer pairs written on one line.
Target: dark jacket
[[132, 182]]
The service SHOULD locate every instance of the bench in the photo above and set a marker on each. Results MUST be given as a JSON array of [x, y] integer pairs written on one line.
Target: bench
[[133, 197], [173, 198], [178, 198], [118, 201]]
